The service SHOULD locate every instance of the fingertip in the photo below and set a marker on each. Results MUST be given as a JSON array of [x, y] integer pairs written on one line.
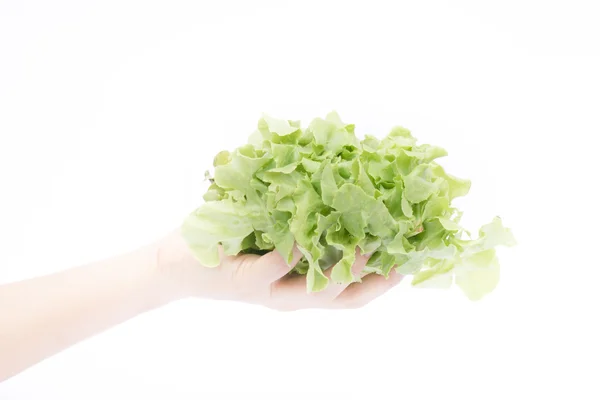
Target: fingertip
[[296, 257], [275, 266], [395, 276], [273, 257]]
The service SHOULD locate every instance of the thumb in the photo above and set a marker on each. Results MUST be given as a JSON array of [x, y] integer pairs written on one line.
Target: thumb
[[272, 266]]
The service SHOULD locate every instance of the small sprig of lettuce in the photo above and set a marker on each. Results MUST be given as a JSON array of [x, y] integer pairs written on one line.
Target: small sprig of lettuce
[[327, 192]]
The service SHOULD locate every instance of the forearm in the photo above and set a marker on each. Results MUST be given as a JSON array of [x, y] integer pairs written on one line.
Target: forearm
[[42, 316]]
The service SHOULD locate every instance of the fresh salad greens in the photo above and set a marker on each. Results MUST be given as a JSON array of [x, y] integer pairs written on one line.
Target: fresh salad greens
[[326, 191]]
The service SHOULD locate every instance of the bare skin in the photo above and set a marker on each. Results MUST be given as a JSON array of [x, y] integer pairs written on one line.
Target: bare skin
[[42, 316]]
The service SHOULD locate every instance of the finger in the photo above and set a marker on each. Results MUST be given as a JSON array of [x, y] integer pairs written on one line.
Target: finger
[[334, 289], [372, 287], [270, 267], [295, 286]]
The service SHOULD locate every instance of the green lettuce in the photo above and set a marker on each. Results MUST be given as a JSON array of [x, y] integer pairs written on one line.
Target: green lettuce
[[327, 192]]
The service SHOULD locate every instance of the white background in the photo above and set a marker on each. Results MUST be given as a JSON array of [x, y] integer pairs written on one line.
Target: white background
[[111, 111]]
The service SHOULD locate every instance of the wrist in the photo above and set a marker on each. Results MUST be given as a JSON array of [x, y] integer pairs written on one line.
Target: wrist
[[171, 264], [158, 288]]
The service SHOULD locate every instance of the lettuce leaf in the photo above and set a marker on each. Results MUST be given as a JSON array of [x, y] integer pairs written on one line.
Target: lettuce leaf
[[322, 189]]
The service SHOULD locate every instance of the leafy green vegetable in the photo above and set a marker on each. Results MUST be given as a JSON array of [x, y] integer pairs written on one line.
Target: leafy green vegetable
[[322, 189]]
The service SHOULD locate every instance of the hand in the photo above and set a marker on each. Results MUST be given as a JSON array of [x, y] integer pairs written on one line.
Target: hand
[[42, 316], [262, 280]]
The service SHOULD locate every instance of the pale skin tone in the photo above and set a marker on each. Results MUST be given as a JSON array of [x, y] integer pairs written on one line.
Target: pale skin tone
[[43, 316]]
